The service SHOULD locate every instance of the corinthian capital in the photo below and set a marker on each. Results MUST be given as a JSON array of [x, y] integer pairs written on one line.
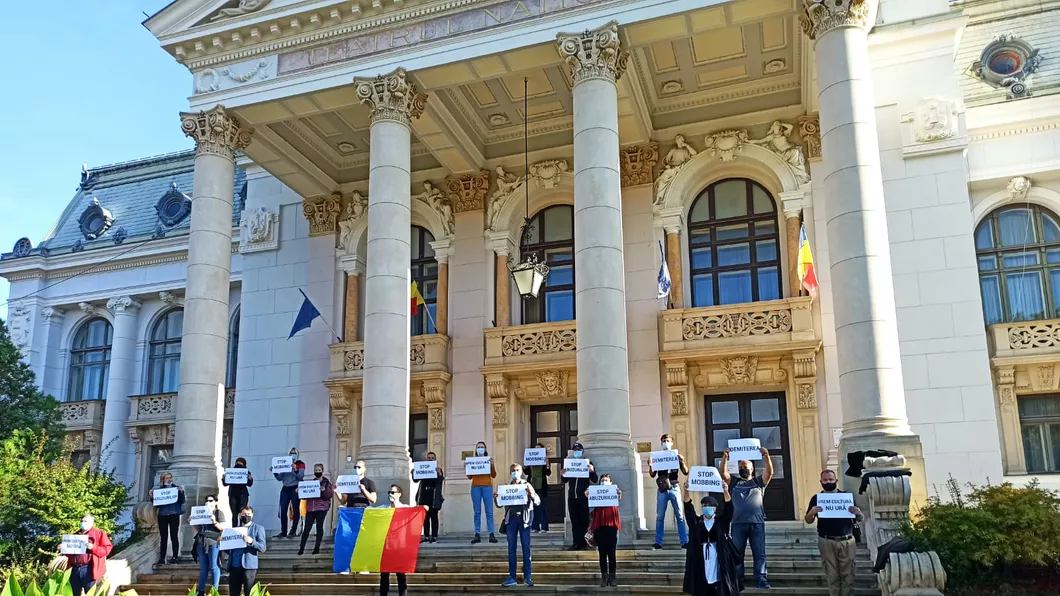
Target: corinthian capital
[[821, 16], [122, 304], [391, 96], [594, 54], [215, 132]]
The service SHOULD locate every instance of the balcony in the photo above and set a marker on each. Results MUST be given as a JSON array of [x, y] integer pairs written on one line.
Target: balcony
[[83, 415], [427, 354], [1027, 339], [756, 327], [530, 344], [160, 408]]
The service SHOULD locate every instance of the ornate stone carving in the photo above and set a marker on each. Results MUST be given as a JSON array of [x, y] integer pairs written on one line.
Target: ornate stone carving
[[244, 7], [323, 214], [1018, 188], [19, 324], [637, 164], [547, 174], [1007, 395], [436, 418], [355, 208], [215, 132], [497, 386], [353, 359], [810, 129], [507, 185], [678, 403], [932, 120], [209, 80], [23, 247], [742, 324], [740, 370], [75, 412], [467, 192], [94, 220], [1037, 335], [122, 304], [675, 159], [676, 374], [391, 96], [1020, 58], [259, 229], [778, 140], [1045, 375], [775, 66], [553, 383], [52, 314], [594, 54], [500, 413], [171, 299], [417, 354], [87, 308], [725, 144], [820, 16], [433, 198], [153, 406], [539, 342], [806, 396]]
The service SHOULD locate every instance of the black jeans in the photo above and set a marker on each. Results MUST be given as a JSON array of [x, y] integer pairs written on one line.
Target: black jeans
[[606, 543], [168, 525], [312, 517], [241, 579], [579, 521], [430, 524], [384, 584], [289, 497], [236, 504]]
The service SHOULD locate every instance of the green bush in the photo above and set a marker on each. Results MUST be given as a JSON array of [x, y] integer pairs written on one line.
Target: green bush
[[992, 533], [57, 584]]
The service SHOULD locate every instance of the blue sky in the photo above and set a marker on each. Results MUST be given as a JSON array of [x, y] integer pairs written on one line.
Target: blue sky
[[96, 88]]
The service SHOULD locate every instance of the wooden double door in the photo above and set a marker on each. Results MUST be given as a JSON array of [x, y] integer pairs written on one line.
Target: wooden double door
[[555, 427]]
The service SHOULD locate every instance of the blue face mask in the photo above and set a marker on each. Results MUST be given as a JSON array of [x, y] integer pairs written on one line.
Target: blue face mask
[[708, 512], [577, 454], [516, 475]]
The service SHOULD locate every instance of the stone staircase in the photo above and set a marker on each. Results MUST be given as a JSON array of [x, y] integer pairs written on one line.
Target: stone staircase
[[453, 566]]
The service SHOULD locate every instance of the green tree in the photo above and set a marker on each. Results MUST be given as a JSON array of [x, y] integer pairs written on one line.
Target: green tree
[[22, 405]]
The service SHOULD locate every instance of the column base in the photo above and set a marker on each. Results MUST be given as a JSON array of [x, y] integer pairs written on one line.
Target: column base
[[908, 446], [388, 465], [612, 453]]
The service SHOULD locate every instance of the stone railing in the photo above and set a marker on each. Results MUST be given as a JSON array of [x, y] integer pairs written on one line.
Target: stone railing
[[161, 407], [531, 343], [83, 415], [774, 321], [426, 353], [1019, 339]]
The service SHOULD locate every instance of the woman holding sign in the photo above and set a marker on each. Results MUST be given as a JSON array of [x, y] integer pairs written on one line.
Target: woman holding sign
[[538, 478], [206, 548], [238, 495], [605, 527], [710, 560], [429, 496], [316, 508], [517, 516], [481, 490], [168, 511]]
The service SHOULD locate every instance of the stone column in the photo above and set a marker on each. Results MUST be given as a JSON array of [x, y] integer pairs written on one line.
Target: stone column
[[502, 299], [673, 262], [351, 318], [385, 416], [117, 447], [870, 367], [441, 316], [596, 61], [204, 346], [1011, 432], [52, 318], [792, 204]]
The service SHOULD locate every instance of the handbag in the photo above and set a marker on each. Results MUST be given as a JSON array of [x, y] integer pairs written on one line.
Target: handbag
[[590, 538]]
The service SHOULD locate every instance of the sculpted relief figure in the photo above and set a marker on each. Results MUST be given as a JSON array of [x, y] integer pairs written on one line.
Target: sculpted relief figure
[[357, 207], [675, 159], [435, 199], [244, 7], [259, 225], [507, 184], [778, 140]]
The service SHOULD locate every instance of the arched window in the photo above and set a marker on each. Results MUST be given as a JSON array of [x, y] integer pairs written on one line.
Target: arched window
[[551, 238], [233, 352], [1018, 250], [90, 361], [424, 270], [163, 373], [733, 244]]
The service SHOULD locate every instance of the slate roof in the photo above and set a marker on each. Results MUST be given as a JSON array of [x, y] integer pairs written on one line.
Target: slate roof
[[129, 191]]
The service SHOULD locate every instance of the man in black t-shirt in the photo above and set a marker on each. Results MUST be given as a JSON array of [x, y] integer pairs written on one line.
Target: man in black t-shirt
[[835, 538], [367, 496]]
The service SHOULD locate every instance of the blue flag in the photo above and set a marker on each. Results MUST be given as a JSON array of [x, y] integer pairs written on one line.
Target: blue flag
[[664, 275], [305, 317]]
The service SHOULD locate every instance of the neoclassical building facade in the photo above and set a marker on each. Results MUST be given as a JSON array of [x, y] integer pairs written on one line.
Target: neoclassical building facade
[[346, 150]]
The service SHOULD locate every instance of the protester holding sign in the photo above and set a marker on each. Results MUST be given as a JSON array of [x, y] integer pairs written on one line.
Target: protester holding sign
[[206, 549], [835, 536], [666, 479], [481, 494], [711, 557], [168, 515], [538, 477], [88, 568], [367, 495], [517, 525], [394, 494], [243, 562], [577, 500], [289, 493], [605, 526], [238, 495], [429, 496], [317, 509], [749, 515]]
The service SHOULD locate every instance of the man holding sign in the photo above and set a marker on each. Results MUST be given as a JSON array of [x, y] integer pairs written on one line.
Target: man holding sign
[[243, 562], [577, 477], [87, 567], [835, 514], [535, 461], [748, 512], [663, 466]]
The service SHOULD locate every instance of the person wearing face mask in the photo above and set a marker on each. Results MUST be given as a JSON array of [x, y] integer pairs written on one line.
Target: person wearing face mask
[[835, 539], [710, 560], [206, 548], [367, 497], [538, 476], [669, 494], [394, 496], [481, 489], [238, 495], [289, 494], [317, 509], [748, 512], [168, 519], [87, 569], [517, 526], [605, 526], [243, 562], [429, 496], [577, 500]]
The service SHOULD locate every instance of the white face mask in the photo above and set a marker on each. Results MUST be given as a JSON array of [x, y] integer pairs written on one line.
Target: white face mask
[[86, 526], [606, 483], [516, 475], [668, 445]]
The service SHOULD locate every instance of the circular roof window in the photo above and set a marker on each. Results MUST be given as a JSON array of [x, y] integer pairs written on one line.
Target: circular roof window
[[1006, 63], [95, 220]]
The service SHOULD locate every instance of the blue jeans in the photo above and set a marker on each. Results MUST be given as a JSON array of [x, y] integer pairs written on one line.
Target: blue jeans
[[540, 521], [482, 496], [673, 497], [757, 534], [208, 562], [518, 532], [81, 579]]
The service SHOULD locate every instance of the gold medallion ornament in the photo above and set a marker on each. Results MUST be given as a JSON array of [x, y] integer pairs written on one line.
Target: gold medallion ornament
[[594, 54]]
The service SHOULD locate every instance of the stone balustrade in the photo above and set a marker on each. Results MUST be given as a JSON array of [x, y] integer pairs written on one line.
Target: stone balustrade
[[427, 353], [83, 415], [1025, 339], [744, 325], [540, 342], [161, 407]]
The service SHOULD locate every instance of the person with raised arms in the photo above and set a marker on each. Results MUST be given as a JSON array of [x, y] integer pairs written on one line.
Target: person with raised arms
[[710, 559], [748, 512]]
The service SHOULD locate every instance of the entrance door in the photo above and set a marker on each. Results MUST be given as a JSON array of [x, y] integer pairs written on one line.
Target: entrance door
[[555, 427], [761, 416], [418, 437]]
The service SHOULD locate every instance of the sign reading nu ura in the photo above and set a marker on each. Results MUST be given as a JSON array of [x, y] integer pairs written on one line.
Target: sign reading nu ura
[[476, 19]]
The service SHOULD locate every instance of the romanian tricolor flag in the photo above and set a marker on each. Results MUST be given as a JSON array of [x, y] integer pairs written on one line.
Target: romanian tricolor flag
[[378, 539], [417, 298], [807, 276]]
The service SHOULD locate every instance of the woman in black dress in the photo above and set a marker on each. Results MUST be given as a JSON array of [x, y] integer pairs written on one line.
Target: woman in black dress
[[710, 560]]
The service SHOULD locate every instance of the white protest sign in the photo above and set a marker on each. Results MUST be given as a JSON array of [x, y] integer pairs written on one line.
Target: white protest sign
[[236, 475], [348, 484], [835, 505], [603, 496], [282, 464], [750, 449], [309, 489], [512, 494], [477, 466], [576, 468], [705, 479], [535, 456], [165, 496], [74, 544], [424, 470], [662, 461], [200, 516], [232, 538]]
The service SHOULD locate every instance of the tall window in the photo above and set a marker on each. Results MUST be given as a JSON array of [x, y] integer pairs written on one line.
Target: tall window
[[732, 238], [1018, 249], [90, 361], [1040, 423], [161, 460], [552, 240], [424, 271], [418, 437], [233, 352], [163, 374]]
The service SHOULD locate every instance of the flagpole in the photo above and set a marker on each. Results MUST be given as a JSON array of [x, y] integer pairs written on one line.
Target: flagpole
[[427, 309]]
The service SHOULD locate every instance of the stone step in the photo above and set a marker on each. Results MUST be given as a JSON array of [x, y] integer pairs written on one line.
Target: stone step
[[538, 590]]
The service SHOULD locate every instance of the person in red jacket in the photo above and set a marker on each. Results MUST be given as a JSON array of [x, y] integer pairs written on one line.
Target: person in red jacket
[[87, 569]]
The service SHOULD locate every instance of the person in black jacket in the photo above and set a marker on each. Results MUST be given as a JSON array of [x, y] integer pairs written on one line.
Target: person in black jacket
[[238, 495], [429, 496], [710, 561], [578, 501], [537, 476]]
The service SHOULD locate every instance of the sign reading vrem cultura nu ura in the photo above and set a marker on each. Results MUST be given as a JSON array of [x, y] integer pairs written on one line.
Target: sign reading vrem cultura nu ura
[[475, 19]]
